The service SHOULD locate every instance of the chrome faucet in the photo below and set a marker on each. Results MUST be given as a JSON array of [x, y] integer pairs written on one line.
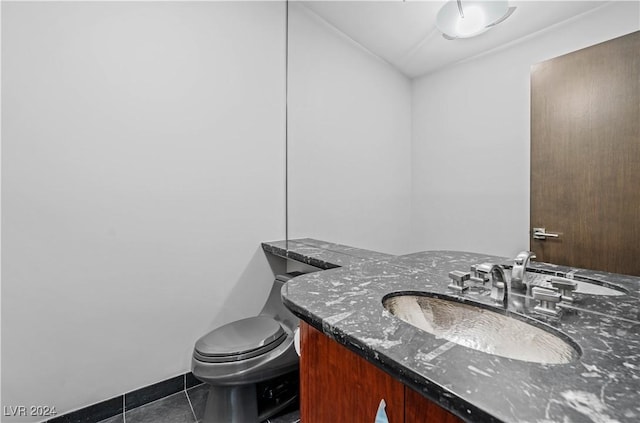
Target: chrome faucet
[[499, 286], [519, 281], [519, 272]]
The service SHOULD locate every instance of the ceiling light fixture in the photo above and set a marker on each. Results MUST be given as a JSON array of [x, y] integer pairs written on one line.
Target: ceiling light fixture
[[465, 19]]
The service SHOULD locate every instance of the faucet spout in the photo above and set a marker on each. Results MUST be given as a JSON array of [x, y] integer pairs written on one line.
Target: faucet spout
[[499, 286], [519, 271]]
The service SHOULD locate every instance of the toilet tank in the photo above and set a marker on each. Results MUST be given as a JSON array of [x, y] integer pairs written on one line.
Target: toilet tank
[[274, 306]]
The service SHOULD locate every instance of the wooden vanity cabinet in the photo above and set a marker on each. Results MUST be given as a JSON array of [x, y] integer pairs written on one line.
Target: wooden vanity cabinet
[[337, 385]]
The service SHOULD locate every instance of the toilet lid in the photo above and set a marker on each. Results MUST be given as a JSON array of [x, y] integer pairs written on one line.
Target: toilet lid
[[240, 339]]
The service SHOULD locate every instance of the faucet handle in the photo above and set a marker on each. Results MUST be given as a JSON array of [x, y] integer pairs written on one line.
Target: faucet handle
[[565, 287], [548, 298], [457, 280], [481, 272]]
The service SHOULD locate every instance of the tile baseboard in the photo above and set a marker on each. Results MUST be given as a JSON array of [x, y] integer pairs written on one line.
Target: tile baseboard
[[128, 401]]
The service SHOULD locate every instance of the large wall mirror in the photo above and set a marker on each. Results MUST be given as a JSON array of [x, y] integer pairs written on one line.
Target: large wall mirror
[[401, 140]]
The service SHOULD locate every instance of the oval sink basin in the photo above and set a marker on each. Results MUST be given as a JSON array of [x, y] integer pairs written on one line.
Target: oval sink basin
[[583, 287], [481, 329]]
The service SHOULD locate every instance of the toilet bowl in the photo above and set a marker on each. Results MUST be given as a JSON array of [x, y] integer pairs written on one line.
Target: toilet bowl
[[235, 357]]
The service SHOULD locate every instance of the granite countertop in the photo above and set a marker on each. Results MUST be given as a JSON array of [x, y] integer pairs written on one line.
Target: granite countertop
[[345, 303]]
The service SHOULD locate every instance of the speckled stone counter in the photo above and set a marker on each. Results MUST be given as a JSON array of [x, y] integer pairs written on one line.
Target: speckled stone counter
[[345, 303]]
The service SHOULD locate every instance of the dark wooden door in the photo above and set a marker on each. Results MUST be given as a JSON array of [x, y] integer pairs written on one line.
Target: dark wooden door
[[585, 157]]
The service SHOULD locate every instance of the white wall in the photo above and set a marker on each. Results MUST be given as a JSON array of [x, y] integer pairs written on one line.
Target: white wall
[[349, 140], [142, 165], [470, 156]]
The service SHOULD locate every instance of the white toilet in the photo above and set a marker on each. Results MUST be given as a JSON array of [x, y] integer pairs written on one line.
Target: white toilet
[[235, 357]]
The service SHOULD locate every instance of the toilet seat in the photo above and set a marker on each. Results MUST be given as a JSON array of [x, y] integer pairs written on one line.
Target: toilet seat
[[240, 340]]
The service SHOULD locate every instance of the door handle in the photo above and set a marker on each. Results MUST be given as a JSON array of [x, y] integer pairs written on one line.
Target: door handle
[[541, 233]]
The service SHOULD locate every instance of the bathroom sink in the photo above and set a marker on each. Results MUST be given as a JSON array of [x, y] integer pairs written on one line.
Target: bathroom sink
[[482, 329], [583, 287]]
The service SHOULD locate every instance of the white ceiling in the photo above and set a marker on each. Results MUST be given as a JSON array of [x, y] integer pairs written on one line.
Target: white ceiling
[[404, 34]]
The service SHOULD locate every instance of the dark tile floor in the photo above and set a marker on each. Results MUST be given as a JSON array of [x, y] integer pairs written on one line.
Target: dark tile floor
[[182, 407]]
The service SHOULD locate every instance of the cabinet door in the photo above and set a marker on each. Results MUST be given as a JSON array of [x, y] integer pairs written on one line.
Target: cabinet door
[[337, 385], [418, 409]]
